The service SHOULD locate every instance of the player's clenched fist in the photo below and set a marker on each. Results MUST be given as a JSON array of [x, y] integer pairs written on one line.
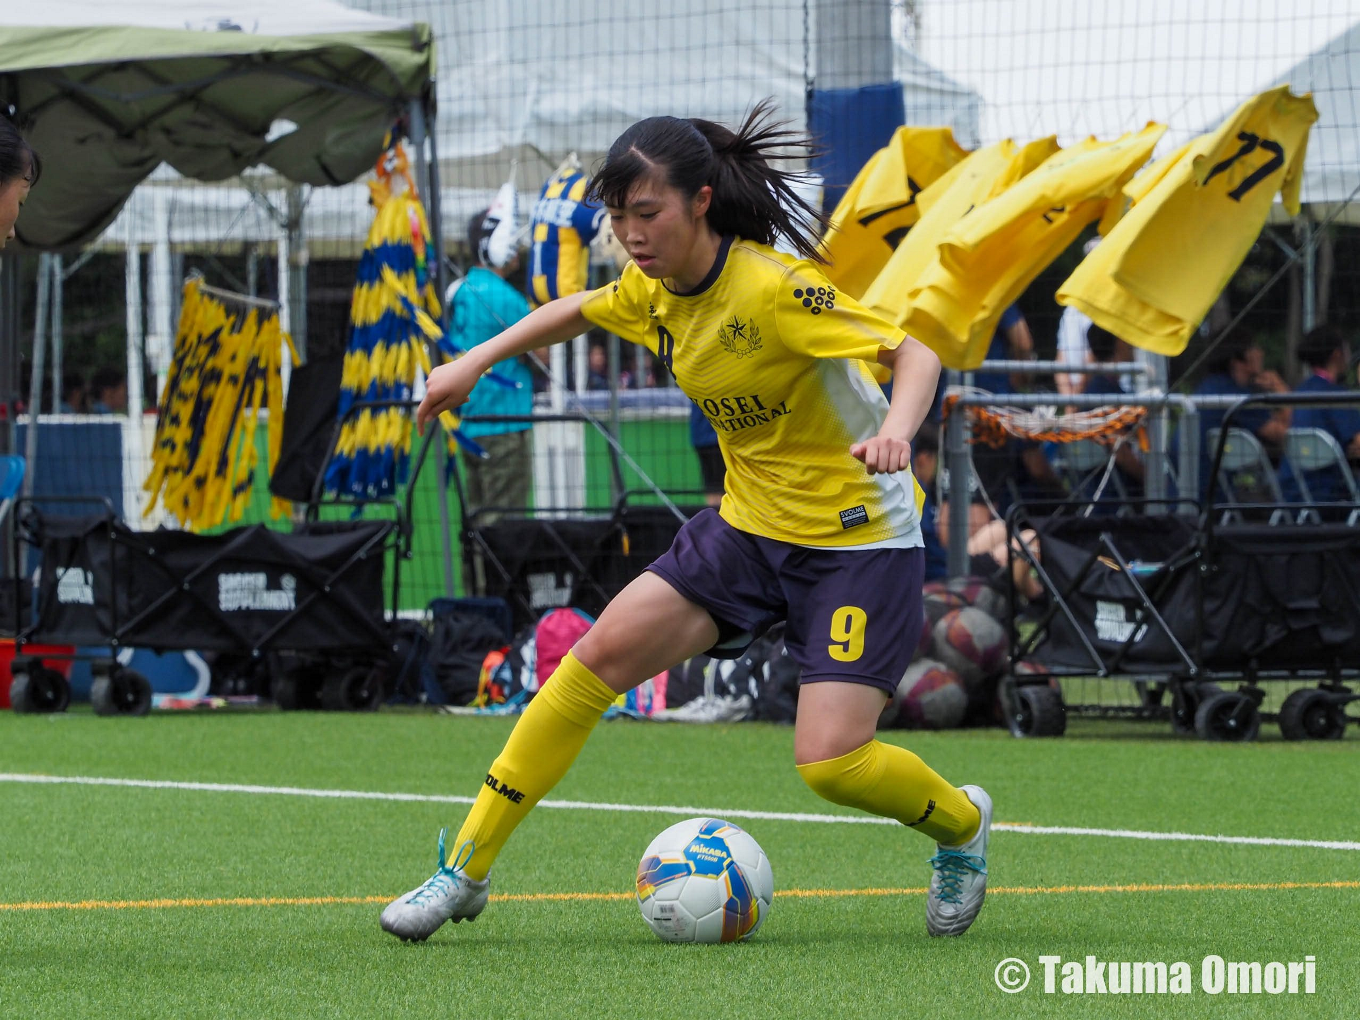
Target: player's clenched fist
[[882, 455], [447, 387]]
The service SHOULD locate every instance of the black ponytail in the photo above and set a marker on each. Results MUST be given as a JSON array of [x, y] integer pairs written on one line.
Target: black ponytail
[[17, 158], [752, 197]]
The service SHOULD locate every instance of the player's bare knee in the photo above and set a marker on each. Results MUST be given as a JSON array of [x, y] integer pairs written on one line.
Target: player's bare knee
[[822, 747], [604, 653]]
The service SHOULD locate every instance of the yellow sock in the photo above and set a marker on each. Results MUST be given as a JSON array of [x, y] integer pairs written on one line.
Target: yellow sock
[[542, 746], [891, 781]]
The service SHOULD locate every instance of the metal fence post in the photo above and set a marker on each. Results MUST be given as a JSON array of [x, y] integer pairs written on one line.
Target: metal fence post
[[960, 468], [426, 180]]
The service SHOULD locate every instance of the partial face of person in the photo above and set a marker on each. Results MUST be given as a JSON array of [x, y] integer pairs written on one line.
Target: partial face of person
[[598, 362], [923, 466], [12, 196], [658, 225]]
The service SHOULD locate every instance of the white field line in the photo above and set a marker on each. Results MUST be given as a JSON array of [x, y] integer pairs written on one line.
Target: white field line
[[666, 809]]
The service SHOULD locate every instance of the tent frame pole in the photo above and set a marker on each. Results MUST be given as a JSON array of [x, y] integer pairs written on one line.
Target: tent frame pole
[[35, 381]]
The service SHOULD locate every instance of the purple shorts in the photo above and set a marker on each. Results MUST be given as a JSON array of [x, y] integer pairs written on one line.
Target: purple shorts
[[852, 615]]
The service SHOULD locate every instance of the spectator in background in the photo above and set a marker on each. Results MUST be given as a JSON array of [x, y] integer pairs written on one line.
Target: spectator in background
[[925, 465], [1326, 358], [108, 392], [712, 467], [74, 398], [987, 557], [1072, 346], [1073, 349], [1239, 371], [1018, 470], [483, 305], [1012, 341], [1128, 461], [598, 364]]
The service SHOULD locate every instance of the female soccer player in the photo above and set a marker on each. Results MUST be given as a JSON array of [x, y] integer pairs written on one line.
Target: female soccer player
[[19, 171], [819, 525]]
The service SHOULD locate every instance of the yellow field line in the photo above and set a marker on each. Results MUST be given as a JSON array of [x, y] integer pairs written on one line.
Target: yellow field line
[[321, 901]]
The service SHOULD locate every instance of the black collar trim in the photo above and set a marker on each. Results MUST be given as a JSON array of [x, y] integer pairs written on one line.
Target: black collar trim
[[714, 271]]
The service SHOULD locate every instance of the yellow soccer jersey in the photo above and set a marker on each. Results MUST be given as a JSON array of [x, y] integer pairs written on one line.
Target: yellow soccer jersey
[[991, 255], [1195, 216], [879, 207], [774, 356], [968, 184]]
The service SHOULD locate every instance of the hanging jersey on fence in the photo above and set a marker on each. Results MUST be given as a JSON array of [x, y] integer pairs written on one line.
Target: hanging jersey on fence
[[562, 226], [967, 185], [1195, 216], [879, 207], [991, 255], [774, 356]]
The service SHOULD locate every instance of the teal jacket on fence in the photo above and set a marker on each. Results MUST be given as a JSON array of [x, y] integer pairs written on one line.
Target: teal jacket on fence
[[483, 306]]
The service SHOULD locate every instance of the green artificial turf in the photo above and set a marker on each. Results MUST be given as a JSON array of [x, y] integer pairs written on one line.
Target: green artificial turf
[[816, 956]]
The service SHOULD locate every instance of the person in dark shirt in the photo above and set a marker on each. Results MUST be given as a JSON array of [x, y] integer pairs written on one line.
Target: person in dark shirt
[[1128, 461], [925, 464], [1012, 341], [987, 556], [712, 468], [1326, 357], [1240, 372]]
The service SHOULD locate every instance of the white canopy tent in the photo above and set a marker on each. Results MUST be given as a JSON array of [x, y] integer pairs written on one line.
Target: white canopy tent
[[520, 85]]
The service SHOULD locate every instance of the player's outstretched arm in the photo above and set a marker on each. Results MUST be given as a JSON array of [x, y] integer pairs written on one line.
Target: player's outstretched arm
[[916, 370], [450, 384]]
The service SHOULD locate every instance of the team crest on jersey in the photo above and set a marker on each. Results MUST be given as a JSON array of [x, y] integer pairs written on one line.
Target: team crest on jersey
[[816, 299], [651, 310], [739, 336]]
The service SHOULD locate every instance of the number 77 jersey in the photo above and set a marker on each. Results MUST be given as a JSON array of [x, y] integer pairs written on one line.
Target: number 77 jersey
[[1195, 215]]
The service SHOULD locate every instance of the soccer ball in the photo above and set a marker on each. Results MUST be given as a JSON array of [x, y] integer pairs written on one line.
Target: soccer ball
[[973, 591], [972, 644], [930, 696], [937, 603], [704, 880]]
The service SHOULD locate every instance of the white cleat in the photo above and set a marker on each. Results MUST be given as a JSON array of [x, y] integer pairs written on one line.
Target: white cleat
[[960, 879], [448, 895]]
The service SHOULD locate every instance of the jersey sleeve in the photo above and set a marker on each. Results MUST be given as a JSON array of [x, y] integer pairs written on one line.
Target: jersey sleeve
[[586, 216], [621, 307], [817, 319]]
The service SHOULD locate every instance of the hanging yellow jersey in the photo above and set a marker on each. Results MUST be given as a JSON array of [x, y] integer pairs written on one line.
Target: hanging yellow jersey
[[775, 357], [968, 184], [1195, 216], [561, 227], [879, 207], [990, 256]]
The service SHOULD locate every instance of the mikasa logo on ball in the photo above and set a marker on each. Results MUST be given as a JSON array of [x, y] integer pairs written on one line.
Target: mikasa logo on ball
[[707, 852]]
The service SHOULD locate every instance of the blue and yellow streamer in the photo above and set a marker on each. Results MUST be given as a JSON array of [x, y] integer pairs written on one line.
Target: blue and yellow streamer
[[394, 313]]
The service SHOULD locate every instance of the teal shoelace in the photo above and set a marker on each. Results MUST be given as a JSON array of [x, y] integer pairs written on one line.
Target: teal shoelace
[[953, 867], [437, 885], [446, 878]]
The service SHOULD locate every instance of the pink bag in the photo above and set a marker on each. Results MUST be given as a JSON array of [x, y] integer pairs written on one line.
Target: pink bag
[[556, 631]]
